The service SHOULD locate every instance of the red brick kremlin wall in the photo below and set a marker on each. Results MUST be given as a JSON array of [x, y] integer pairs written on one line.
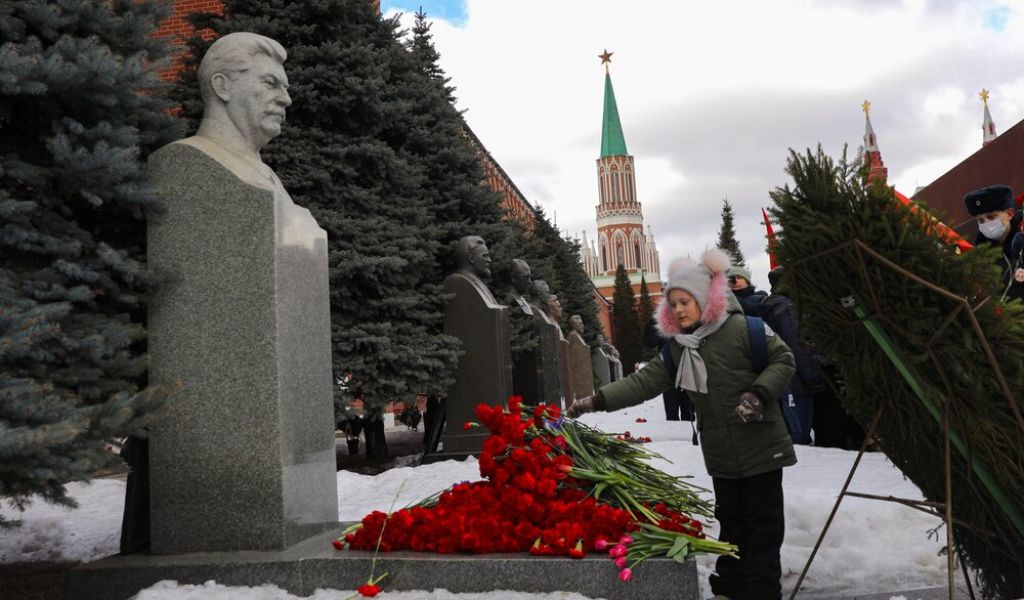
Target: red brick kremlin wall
[[177, 29]]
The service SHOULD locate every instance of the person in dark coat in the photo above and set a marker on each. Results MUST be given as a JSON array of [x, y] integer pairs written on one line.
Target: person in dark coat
[[777, 310], [748, 295], [1002, 226]]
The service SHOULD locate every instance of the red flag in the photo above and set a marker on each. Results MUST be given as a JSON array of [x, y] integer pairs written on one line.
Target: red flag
[[772, 261], [938, 228]]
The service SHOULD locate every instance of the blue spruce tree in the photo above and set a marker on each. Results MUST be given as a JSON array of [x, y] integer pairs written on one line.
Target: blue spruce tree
[[79, 108]]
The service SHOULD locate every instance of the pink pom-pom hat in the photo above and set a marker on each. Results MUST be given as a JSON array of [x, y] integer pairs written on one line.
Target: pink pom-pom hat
[[704, 280]]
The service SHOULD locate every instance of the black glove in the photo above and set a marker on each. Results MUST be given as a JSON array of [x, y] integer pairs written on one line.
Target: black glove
[[580, 406], [751, 407]]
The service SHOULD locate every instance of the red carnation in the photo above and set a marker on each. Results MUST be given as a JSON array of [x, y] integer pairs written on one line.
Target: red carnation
[[338, 545], [368, 589]]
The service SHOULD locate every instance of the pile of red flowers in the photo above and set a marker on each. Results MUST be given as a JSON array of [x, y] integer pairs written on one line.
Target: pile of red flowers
[[552, 487], [527, 502]]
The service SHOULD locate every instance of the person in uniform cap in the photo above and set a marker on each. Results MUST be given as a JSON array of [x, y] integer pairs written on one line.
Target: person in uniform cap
[[1000, 225]]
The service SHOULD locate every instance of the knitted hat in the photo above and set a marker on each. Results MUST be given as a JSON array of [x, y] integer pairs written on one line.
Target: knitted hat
[[738, 271], [704, 280], [989, 199]]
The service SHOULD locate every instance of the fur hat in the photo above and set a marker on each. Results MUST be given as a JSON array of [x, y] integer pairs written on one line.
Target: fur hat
[[989, 199], [738, 271], [704, 280]]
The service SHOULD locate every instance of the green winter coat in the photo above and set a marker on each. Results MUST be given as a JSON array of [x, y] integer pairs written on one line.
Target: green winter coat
[[732, 449]]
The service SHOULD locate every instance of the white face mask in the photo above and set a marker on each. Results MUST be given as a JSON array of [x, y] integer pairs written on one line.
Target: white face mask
[[994, 229]]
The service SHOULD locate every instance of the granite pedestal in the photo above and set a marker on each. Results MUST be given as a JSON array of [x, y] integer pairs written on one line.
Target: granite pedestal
[[565, 362], [243, 458], [602, 367], [314, 564], [616, 368], [582, 368], [549, 353], [484, 373]]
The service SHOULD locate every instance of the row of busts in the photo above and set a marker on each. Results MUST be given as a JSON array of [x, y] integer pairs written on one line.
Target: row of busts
[[554, 368]]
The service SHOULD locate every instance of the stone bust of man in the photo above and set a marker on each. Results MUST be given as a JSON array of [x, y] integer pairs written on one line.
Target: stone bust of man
[[245, 94], [472, 256], [521, 283], [576, 323], [554, 307], [473, 262], [539, 293]]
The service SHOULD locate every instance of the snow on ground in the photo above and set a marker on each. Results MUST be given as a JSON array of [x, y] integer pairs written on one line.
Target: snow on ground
[[871, 547]]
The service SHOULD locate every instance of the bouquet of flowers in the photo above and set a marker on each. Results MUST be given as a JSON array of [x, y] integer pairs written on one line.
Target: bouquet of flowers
[[552, 486]]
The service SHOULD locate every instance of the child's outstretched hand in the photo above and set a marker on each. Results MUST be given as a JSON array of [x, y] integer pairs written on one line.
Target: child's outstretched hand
[[580, 406]]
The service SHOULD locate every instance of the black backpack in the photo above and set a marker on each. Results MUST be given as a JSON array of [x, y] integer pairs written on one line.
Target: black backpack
[[758, 361]]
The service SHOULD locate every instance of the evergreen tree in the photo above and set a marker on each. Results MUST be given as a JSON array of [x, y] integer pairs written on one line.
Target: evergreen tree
[[375, 149], [556, 260], [826, 212], [80, 103], [625, 322], [646, 309], [437, 143], [727, 235]]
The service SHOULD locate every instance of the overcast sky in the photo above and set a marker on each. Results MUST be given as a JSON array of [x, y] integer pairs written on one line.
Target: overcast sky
[[712, 94]]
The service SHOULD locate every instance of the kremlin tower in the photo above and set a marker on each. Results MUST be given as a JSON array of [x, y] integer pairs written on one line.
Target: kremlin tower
[[620, 221], [872, 155], [988, 127]]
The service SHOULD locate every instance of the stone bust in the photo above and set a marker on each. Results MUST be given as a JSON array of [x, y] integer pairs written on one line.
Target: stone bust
[[521, 283], [539, 293], [245, 94], [554, 307], [473, 262], [521, 276], [576, 323], [472, 257]]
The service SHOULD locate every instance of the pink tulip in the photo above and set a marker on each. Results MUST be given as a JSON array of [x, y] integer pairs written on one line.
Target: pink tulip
[[617, 551], [626, 539], [600, 544], [620, 562], [626, 574]]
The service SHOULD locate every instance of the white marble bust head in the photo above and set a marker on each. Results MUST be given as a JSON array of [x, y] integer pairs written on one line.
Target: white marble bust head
[[245, 91]]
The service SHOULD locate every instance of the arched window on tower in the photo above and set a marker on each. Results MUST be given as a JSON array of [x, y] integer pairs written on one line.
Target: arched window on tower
[[636, 253], [604, 256], [615, 187], [620, 254]]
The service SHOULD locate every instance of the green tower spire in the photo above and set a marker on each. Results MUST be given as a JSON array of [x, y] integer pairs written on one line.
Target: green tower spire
[[613, 143]]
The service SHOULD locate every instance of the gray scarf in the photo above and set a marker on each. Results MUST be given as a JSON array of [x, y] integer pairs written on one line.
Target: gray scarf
[[692, 374]]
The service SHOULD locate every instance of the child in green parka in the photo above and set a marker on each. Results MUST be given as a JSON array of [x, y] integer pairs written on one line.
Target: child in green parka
[[743, 432]]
